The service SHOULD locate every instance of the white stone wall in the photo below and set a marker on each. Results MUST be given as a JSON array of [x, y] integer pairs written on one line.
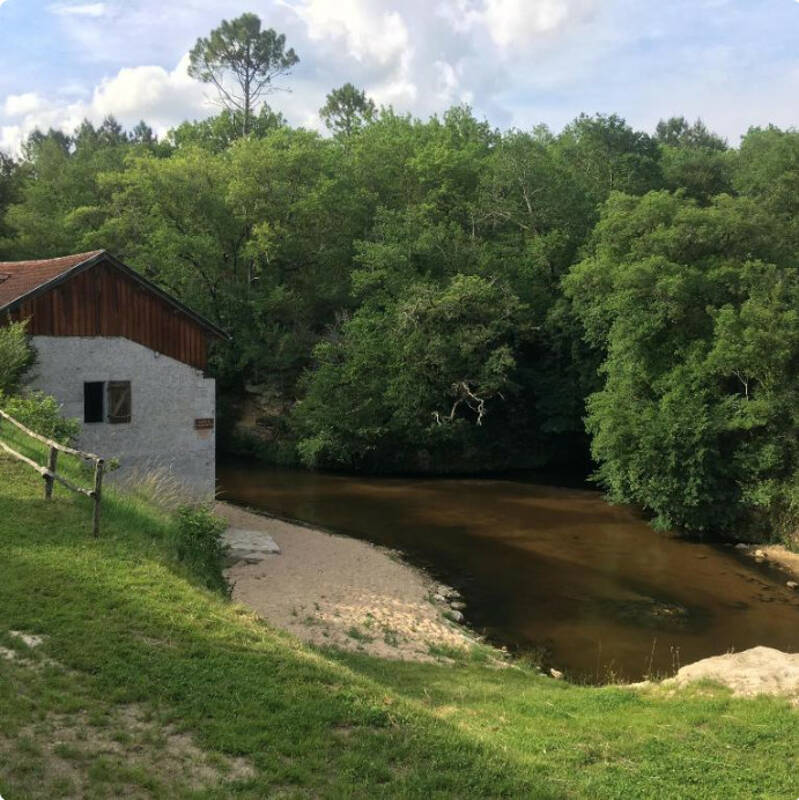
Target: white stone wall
[[167, 396]]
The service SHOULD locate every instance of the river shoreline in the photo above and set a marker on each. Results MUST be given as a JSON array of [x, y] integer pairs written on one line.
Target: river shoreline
[[777, 555], [336, 591]]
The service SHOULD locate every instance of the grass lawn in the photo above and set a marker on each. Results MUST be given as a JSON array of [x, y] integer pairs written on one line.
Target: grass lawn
[[147, 684]]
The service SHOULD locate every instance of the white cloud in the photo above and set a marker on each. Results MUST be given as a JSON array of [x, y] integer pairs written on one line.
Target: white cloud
[[518, 62], [512, 23], [79, 10], [159, 96], [377, 38], [17, 105], [519, 22], [449, 86], [367, 32], [151, 92]]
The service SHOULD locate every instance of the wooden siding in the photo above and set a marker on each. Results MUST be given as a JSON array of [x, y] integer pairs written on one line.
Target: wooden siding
[[102, 301]]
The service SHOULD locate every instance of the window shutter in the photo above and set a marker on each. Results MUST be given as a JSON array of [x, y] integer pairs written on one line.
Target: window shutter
[[119, 401]]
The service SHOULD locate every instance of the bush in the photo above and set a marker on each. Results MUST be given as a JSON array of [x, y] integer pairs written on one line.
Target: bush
[[199, 545], [16, 356], [42, 414]]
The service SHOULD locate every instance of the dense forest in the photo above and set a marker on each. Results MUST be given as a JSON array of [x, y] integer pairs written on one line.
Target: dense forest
[[437, 295]]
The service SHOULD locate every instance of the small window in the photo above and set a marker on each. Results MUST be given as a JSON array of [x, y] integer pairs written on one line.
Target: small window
[[93, 402], [119, 401]]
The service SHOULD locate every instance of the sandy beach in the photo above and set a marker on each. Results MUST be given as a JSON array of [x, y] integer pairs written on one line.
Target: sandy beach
[[336, 591]]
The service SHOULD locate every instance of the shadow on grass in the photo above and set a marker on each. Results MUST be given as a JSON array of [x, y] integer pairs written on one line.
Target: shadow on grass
[[135, 631]]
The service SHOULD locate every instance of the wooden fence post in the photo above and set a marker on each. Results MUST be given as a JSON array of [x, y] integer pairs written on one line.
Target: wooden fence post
[[52, 462], [98, 493], [49, 472]]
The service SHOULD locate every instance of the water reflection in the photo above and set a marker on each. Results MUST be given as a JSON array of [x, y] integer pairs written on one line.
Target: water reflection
[[548, 569]]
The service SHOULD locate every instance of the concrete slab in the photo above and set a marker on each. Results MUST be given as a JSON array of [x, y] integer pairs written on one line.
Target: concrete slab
[[249, 545]]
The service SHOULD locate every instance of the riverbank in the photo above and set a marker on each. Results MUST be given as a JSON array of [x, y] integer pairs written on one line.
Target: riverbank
[[588, 588], [125, 677], [778, 555], [336, 591]]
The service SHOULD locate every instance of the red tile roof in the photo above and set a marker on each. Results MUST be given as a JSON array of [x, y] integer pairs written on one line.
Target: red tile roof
[[19, 278]]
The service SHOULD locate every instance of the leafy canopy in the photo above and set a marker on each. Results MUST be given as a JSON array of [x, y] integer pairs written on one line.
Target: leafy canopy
[[242, 62]]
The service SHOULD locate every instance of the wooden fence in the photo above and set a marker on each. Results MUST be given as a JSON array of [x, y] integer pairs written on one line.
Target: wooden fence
[[49, 472]]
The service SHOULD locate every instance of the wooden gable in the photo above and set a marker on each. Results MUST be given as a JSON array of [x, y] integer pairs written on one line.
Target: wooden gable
[[107, 299]]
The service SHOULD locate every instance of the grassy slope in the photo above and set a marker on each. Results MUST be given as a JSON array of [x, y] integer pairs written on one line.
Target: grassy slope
[[130, 628]]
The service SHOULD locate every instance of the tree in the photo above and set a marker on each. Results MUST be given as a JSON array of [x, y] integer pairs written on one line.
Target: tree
[[251, 56], [767, 168], [61, 200], [347, 109], [414, 383], [693, 310], [221, 131], [10, 183], [143, 134], [16, 356], [607, 155], [694, 159], [678, 132]]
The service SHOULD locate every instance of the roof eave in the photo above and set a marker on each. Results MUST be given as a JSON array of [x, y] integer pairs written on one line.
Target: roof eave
[[104, 255]]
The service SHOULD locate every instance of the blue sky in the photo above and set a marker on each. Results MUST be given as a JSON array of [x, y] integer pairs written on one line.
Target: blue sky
[[735, 63]]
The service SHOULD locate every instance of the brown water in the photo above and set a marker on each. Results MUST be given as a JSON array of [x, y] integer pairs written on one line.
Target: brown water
[[553, 570]]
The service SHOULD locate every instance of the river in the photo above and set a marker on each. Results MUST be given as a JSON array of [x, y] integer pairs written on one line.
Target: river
[[555, 572]]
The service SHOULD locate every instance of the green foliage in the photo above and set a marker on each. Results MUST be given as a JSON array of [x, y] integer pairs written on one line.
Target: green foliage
[[197, 542], [693, 312], [11, 177], [410, 381], [239, 52], [36, 410], [42, 414], [128, 633], [347, 109], [16, 356], [61, 198], [607, 155], [219, 132], [404, 279]]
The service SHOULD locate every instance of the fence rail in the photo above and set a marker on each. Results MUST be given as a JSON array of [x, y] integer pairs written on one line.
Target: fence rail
[[49, 473]]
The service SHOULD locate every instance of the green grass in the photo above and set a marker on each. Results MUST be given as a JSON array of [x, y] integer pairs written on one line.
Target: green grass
[[127, 629]]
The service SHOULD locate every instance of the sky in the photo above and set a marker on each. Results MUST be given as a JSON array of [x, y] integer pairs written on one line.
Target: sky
[[518, 63]]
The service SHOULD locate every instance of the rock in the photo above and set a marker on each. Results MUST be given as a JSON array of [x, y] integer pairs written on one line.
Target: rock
[[439, 598], [458, 604], [556, 674], [251, 557], [447, 591], [792, 585], [759, 670], [454, 615], [251, 547], [741, 546], [760, 554]]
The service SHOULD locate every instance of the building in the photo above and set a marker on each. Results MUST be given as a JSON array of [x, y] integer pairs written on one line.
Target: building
[[122, 356]]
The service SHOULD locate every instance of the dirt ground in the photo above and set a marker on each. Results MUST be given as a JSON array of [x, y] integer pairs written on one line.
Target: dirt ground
[[341, 592], [780, 556]]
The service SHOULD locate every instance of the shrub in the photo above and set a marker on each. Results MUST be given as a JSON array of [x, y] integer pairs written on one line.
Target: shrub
[[16, 356], [199, 545], [41, 413]]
